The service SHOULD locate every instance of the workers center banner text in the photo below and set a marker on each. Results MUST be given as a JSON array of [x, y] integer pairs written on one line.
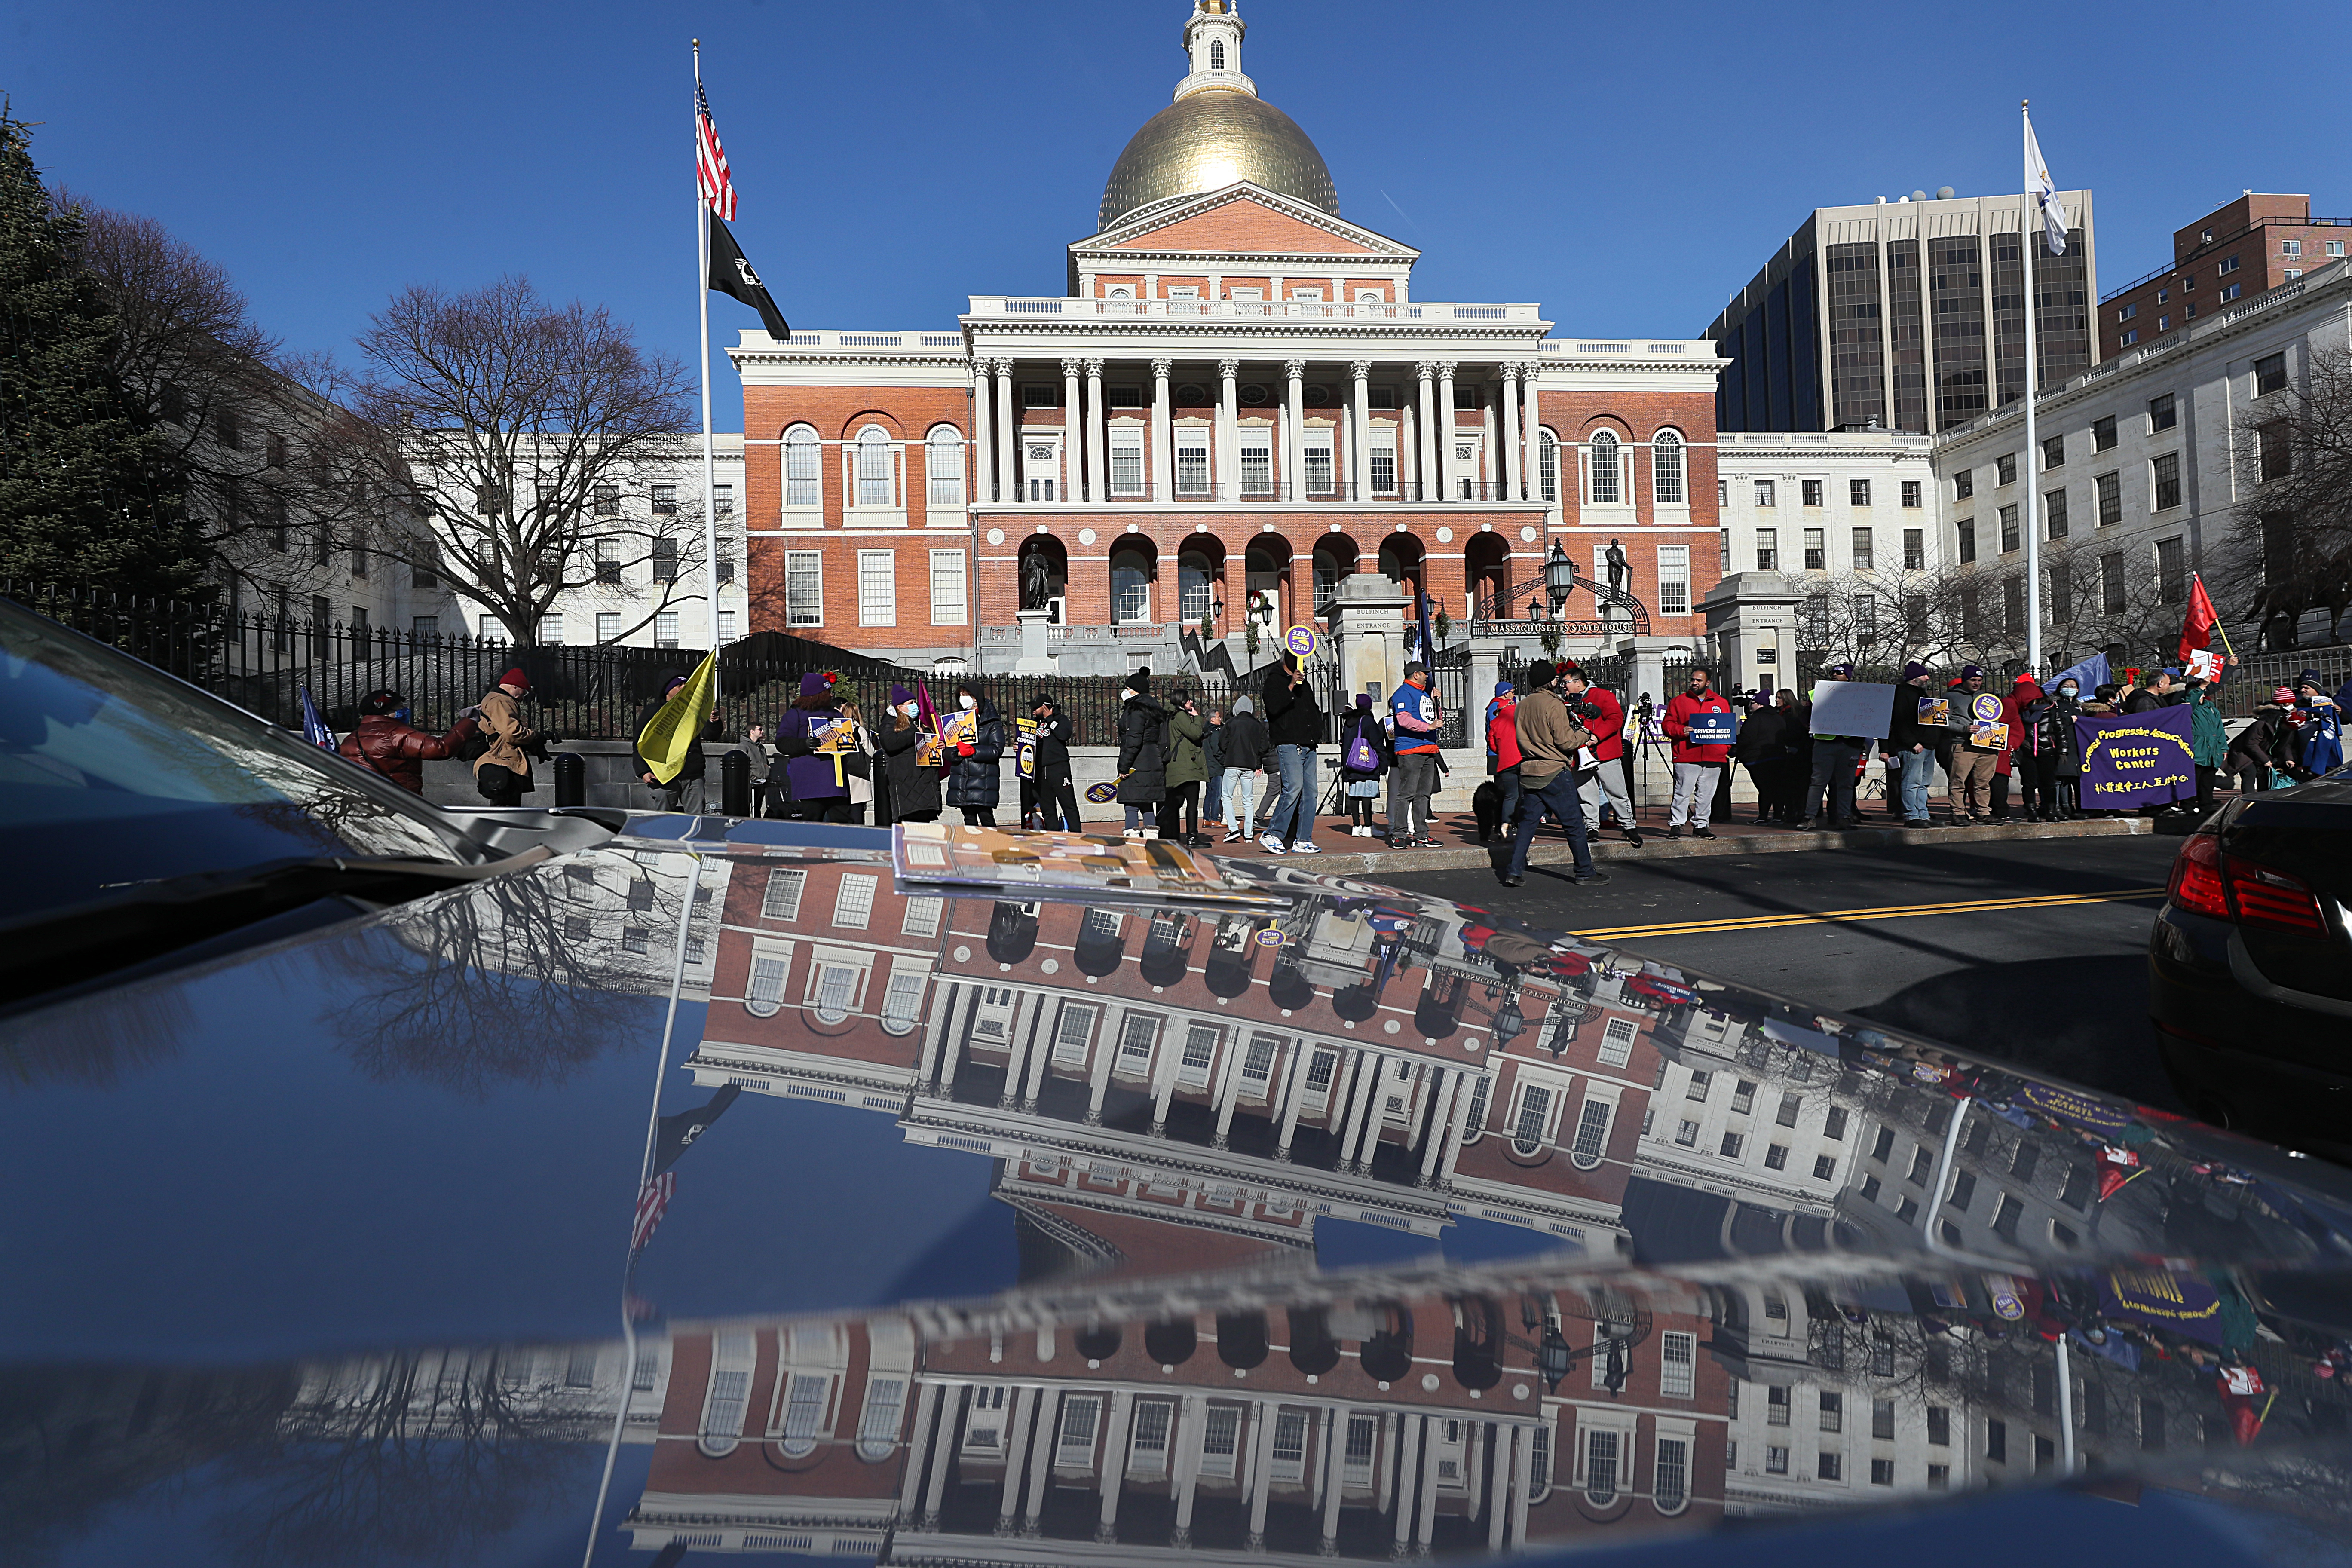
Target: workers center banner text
[[2137, 759]]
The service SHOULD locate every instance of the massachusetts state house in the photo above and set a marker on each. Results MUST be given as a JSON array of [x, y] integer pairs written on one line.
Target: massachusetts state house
[[1237, 402]]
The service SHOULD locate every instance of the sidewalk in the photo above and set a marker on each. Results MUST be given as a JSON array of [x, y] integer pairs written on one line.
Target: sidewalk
[[1457, 834]]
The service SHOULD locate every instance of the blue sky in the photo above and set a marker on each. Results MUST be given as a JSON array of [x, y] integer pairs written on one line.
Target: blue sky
[[1628, 166]]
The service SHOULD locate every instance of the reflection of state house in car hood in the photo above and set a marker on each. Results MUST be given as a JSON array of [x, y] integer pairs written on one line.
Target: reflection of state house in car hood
[[1706, 1255]]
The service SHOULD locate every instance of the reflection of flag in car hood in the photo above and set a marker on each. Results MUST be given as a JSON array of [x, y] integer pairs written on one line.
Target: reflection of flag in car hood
[[1662, 989]]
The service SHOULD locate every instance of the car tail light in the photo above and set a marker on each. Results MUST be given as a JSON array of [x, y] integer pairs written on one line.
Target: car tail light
[[2206, 882], [2197, 877], [2273, 898]]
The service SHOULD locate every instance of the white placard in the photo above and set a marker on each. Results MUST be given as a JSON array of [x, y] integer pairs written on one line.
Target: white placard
[[1852, 707]]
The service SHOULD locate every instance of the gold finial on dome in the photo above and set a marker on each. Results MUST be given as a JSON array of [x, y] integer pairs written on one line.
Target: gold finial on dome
[[1216, 133]]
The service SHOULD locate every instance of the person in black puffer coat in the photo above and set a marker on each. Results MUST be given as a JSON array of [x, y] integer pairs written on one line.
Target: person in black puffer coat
[[972, 782], [1143, 753], [914, 788]]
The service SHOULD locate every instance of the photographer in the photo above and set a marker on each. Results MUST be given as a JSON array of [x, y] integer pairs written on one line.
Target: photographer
[[1550, 738], [1604, 776]]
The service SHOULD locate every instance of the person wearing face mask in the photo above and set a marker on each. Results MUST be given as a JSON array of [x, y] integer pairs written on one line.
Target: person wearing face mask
[[1057, 798], [2067, 700], [974, 782], [2034, 748], [914, 788], [1142, 756], [2319, 743]]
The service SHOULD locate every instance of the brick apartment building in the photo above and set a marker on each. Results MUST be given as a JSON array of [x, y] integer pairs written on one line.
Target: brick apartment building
[[2242, 248], [1236, 404]]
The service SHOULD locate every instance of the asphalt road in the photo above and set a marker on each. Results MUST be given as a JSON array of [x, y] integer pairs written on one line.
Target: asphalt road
[[2030, 949]]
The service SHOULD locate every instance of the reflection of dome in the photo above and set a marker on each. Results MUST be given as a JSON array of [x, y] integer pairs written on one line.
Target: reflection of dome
[[1208, 140]]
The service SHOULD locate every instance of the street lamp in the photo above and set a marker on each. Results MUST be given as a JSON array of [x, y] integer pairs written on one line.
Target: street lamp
[[1560, 577]]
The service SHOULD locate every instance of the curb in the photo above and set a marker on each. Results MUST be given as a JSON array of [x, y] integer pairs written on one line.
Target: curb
[[1656, 845]]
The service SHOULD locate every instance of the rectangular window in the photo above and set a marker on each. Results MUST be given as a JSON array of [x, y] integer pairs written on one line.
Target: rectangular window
[[1127, 462], [1286, 1463], [2229, 292], [1964, 484], [430, 626], [1776, 1158], [1857, 492], [2270, 374], [2131, 337], [1258, 463], [2165, 475], [1617, 1041], [1832, 1412], [1809, 491], [1817, 549], [922, 917], [1591, 1134], [1601, 1467], [1148, 1451], [877, 588], [2102, 434], [853, 903], [2053, 452], [1673, 580], [608, 625], [1967, 529], [2125, 312], [1824, 1167], [1997, 1441], [1040, 394], [1939, 1427], [1075, 1447], [1764, 493], [1912, 496], [804, 588], [948, 590], [1776, 1460], [2110, 489], [1700, 1082], [1730, 1147], [2053, 510], [727, 630], [2007, 529], [1192, 462], [1723, 546], [608, 500], [608, 561], [1384, 470], [2171, 571], [1915, 549], [803, 486], [1768, 550], [2163, 412], [722, 501], [1072, 1029], [1356, 1459], [1830, 1466], [1678, 1365], [1528, 1127], [1790, 1105], [666, 629], [1200, 1050], [2004, 469], [1221, 1442], [2229, 265], [1865, 554], [1687, 1134], [2274, 451], [1672, 1487], [665, 500], [1317, 452]]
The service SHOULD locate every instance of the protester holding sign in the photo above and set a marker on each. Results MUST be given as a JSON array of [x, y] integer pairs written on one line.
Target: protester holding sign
[[1976, 759], [2131, 760], [1841, 704], [1914, 729], [2319, 739], [2209, 739], [2039, 738], [1703, 728]]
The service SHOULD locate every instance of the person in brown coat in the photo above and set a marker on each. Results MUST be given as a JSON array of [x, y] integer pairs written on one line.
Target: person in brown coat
[[503, 773], [387, 743]]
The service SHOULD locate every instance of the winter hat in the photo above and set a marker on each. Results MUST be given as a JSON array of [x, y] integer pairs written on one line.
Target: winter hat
[[1914, 670], [1503, 689], [1245, 705], [2281, 694], [1364, 700], [515, 677], [380, 702], [2309, 678], [1141, 681], [672, 684], [815, 683], [1540, 675], [900, 694], [1839, 672], [1971, 672], [1042, 700], [963, 687]]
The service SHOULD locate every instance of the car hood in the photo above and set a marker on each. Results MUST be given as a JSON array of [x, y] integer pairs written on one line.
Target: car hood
[[984, 1197]]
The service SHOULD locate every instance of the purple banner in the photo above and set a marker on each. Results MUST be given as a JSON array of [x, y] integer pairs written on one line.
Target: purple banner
[[2137, 759]]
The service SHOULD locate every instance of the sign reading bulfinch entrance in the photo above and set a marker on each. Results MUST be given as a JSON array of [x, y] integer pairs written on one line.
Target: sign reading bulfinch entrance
[[2137, 759]]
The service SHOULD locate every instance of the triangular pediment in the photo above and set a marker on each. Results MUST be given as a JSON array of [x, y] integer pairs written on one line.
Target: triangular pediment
[[1242, 219]]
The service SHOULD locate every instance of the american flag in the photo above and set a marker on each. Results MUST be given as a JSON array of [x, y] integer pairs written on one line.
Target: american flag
[[652, 1202], [710, 160]]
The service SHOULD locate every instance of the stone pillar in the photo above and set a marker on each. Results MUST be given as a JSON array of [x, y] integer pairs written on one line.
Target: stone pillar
[[1229, 1087], [1073, 472], [1260, 1471], [1440, 1125], [1426, 472], [1294, 453], [1227, 483], [919, 1449], [1334, 1452], [1008, 435], [1498, 1489], [1049, 1432], [1016, 1455], [1114, 1465], [1163, 434], [1300, 1055], [1506, 444], [1445, 475], [1359, 445], [1457, 1128], [1428, 1525], [1523, 1471], [1370, 616], [1408, 1456], [984, 445], [1530, 432], [951, 1425], [1097, 475], [1193, 1420]]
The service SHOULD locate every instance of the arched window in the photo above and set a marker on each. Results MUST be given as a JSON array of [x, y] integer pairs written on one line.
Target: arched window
[[1216, 54], [802, 486], [874, 467], [1192, 595], [1547, 465], [728, 1396], [1130, 587], [1606, 490], [943, 461], [1667, 468], [877, 1425]]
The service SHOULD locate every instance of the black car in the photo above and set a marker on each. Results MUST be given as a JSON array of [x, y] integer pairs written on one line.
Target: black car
[[2249, 968], [419, 1187]]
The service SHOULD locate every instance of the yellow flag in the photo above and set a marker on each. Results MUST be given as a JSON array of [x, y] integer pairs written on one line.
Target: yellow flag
[[674, 730]]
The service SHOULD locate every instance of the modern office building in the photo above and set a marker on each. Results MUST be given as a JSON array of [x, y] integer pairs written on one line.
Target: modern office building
[[1834, 332], [2245, 247]]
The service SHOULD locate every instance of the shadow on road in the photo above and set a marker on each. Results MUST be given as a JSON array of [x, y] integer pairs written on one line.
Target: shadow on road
[[2033, 1013]]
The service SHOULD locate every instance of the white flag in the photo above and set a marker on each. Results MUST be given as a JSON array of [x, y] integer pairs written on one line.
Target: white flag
[[2038, 186]]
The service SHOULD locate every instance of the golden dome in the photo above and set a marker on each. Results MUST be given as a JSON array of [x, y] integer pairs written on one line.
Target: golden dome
[[1209, 139]]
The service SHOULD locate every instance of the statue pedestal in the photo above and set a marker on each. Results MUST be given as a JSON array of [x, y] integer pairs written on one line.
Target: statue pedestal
[[1371, 627], [1034, 658]]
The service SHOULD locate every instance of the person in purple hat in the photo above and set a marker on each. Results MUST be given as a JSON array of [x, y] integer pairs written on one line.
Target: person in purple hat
[[685, 793], [914, 788], [820, 787]]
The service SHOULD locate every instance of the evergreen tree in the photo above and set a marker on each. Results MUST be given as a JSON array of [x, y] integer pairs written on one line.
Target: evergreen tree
[[87, 495]]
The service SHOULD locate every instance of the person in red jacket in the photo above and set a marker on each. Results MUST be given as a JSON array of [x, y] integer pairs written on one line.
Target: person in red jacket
[[1503, 750], [385, 742], [1605, 717], [1697, 761]]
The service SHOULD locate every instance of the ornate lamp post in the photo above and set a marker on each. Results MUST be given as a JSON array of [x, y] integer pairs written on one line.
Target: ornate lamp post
[[1559, 578]]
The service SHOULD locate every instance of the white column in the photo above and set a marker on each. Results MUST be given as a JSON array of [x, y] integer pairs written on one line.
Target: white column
[[935, 1030], [1073, 472], [1342, 1101], [1299, 1055], [1441, 1124], [1457, 1128], [1294, 455], [1334, 1452], [1359, 444], [1445, 433], [950, 1425], [1425, 473], [1375, 1114], [1428, 1525], [1261, 1473], [1008, 435], [984, 444], [1498, 1489], [1506, 466], [1163, 433], [1229, 1087], [919, 1449], [1105, 1051], [1027, 1005], [1228, 478], [1368, 1073], [1114, 1464], [1530, 432], [1523, 1471], [1049, 1430], [1408, 1456], [1193, 1414], [1097, 475], [951, 1049], [1016, 1455], [1163, 1088], [1041, 1054]]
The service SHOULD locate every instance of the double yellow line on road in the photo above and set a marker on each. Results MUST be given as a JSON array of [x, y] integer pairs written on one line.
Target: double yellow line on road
[[1884, 913]]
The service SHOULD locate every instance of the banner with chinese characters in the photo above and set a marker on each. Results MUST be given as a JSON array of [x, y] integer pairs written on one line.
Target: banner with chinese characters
[[2137, 759]]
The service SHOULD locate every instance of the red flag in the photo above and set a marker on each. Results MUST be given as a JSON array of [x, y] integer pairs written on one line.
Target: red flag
[[2197, 630]]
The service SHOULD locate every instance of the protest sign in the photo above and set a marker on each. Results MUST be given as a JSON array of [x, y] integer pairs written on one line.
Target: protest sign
[[1711, 728], [1852, 707], [1935, 712], [2137, 759]]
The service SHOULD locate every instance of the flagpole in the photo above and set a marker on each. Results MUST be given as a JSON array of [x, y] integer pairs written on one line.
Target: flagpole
[[2026, 231], [709, 458]]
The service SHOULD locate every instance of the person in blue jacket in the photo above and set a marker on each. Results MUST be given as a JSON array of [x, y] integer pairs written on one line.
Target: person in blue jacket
[[2319, 725], [1415, 718]]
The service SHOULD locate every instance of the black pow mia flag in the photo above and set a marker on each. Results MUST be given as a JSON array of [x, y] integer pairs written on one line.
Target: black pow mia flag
[[732, 274], [679, 1132]]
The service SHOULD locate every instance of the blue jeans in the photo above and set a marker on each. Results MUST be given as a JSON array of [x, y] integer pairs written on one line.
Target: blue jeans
[[1918, 773], [1559, 796], [1212, 797], [1240, 787], [1294, 810]]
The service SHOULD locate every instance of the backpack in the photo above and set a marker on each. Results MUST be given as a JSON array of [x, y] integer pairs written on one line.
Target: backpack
[[474, 746]]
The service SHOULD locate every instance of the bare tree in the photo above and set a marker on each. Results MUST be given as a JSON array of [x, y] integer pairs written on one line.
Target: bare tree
[[2291, 550], [506, 428]]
